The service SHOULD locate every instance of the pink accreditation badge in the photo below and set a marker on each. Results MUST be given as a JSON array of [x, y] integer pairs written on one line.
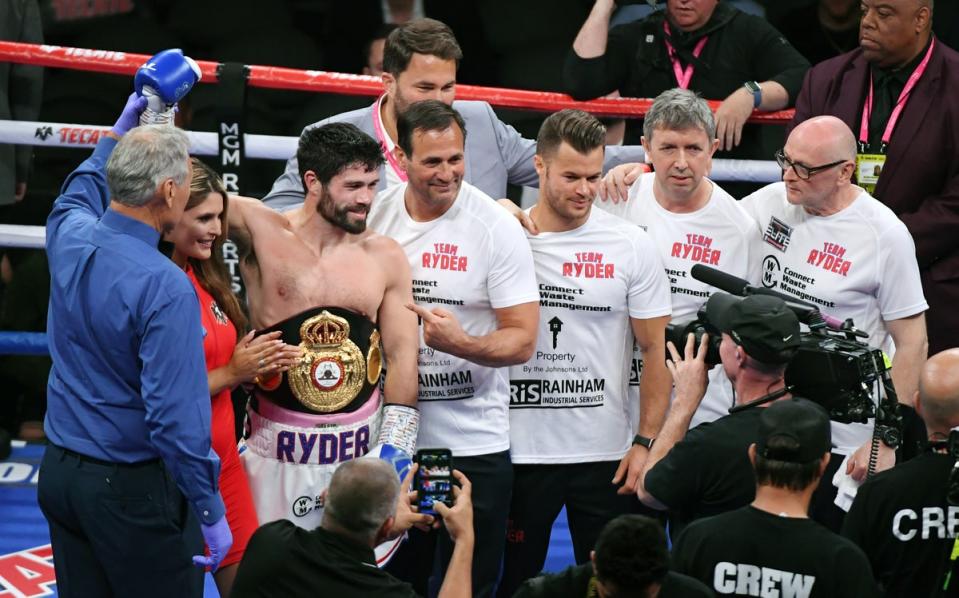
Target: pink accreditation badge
[[683, 76], [870, 166]]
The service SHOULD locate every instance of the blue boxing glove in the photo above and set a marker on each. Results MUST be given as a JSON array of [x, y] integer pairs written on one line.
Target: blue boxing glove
[[401, 461], [163, 81], [130, 115], [218, 540]]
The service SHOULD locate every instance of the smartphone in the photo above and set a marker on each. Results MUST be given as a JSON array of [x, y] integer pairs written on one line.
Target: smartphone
[[434, 479]]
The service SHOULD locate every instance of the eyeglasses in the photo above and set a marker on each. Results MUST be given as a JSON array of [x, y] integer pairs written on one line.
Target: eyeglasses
[[802, 171]]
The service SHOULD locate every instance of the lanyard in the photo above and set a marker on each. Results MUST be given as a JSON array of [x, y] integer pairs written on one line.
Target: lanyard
[[381, 137], [683, 76], [897, 110]]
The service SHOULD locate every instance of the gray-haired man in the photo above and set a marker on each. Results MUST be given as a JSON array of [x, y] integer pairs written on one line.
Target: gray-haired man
[[690, 218], [364, 507], [129, 468]]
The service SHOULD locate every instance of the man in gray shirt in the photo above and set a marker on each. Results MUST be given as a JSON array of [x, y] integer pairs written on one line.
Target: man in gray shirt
[[419, 63]]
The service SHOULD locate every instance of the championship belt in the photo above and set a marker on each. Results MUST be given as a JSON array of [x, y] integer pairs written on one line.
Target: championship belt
[[340, 365]]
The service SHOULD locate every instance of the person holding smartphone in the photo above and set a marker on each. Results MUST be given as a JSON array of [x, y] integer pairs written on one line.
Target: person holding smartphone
[[365, 506]]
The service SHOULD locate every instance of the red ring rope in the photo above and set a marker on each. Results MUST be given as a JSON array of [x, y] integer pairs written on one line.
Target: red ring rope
[[122, 63]]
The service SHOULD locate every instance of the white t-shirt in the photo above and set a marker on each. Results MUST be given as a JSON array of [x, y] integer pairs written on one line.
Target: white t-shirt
[[858, 263], [471, 260], [568, 404], [720, 235]]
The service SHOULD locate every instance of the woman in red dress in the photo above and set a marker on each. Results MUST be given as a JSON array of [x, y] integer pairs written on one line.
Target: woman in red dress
[[196, 247]]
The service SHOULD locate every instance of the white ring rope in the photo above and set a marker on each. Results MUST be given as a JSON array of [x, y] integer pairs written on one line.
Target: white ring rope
[[281, 148]]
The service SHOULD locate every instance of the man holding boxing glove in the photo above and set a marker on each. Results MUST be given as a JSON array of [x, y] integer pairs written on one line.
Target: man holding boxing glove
[[129, 468]]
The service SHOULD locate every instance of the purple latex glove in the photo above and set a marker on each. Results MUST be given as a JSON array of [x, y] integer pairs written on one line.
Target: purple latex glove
[[218, 542], [130, 117]]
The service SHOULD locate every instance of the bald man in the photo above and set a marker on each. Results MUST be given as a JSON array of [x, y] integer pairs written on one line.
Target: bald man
[[901, 518], [826, 241], [364, 507], [915, 147]]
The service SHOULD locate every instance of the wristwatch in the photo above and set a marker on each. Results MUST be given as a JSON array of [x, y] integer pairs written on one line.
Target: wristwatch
[[890, 436], [643, 441], [757, 91]]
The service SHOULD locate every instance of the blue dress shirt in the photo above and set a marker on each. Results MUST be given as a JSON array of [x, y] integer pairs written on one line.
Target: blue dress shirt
[[129, 379]]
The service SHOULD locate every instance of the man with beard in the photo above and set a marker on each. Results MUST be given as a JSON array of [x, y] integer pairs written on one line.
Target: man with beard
[[570, 433], [419, 63], [475, 292], [336, 289]]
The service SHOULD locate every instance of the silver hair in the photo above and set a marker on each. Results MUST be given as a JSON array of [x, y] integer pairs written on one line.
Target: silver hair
[[144, 158], [362, 496], [678, 109]]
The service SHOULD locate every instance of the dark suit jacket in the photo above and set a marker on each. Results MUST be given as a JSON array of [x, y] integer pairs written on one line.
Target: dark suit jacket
[[920, 180], [20, 89]]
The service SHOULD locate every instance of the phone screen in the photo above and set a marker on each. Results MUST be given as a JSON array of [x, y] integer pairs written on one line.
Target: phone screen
[[434, 479]]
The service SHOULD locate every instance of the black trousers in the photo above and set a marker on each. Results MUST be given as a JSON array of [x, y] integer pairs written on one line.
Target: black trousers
[[118, 530], [423, 558], [539, 493]]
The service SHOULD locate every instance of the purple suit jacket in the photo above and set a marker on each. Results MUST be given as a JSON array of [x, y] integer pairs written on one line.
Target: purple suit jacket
[[920, 180]]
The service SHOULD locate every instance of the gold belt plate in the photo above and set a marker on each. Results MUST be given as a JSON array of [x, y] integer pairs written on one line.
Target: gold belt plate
[[332, 370]]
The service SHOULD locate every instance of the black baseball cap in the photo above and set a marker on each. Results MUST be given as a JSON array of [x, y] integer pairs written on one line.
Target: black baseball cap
[[762, 325], [800, 420]]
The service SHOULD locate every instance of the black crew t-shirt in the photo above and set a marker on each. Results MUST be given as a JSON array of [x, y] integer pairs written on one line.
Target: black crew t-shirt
[[708, 472], [749, 552], [901, 520]]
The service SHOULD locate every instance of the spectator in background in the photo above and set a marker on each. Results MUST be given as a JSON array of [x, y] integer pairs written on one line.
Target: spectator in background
[[20, 94], [822, 29], [630, 559], [915, 146], [374, 51], [702, 45]]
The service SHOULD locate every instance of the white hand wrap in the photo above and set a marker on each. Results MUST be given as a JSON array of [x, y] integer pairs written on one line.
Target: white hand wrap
[[399, 427]]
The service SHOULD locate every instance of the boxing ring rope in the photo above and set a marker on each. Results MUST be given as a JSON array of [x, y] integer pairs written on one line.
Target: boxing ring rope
[[48, 134], [275, 147], [271, 77]]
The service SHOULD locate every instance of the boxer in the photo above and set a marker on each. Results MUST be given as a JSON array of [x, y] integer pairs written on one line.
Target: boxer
[[338, 291]]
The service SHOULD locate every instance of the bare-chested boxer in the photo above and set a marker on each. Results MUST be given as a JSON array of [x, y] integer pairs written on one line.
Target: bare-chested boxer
[[339, 291]]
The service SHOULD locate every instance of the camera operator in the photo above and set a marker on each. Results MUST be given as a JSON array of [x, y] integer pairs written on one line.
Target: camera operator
[[365, 505], [771, 547], [828, 242], [901, 518], [705, 471]]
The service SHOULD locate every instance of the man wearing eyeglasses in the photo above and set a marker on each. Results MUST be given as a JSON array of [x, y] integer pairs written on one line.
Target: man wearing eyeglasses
[[828, 242], [896, 91]]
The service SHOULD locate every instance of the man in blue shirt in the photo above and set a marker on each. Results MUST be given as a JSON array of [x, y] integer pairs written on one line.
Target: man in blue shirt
[[128, 413]]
